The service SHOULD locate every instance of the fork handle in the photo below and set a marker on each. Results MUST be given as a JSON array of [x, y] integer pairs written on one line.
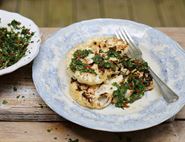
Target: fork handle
[[168, 94]]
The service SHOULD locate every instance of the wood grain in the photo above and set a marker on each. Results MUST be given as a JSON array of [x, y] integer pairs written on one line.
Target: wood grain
[[59, 13], [120, 9], [64, 12], [175, 33], [10, 5], [61, 132], [34, 9], [171, 13], [86, 9], [145, 12], [23, 101]]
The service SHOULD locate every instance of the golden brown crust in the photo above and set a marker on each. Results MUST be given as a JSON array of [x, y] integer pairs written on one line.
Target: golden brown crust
[[85, 96], [95, 44], [95, 91]]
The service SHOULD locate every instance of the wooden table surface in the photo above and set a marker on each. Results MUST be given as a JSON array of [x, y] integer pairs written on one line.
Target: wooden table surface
[[164, 13], [24, 117]]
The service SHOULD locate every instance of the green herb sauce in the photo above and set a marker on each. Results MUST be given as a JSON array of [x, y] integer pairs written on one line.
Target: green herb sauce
[[134, 83], [14, 41], [77, 65]]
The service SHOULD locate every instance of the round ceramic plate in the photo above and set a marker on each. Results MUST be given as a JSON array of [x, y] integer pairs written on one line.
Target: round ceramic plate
[[33, 48], [163, 54]]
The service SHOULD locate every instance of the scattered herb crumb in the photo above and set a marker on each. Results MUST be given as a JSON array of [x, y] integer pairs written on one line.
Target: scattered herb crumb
[[18, 97], [4, 102], [25, 132], [22, 97], [14, 88], [70, 140], [33, 94], [49, 130], [41, 106], [55, 138]]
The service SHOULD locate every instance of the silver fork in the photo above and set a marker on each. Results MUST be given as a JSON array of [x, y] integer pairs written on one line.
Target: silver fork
[[168, 94]]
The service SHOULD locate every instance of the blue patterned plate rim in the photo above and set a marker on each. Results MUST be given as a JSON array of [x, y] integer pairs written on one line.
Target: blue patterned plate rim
[[46, 79]]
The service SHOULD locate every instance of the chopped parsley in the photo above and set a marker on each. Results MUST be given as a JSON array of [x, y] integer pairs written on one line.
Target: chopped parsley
[[102, 61], [78, 65], [113, 53], [97, 59], [14, 41], [136, 84], [133, 82], [109, 65], [119, 95], [132, 64], [82, 53]]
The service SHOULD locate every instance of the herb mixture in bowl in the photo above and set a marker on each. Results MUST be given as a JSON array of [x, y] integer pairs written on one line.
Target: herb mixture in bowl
[[14, 40], [102, 74]]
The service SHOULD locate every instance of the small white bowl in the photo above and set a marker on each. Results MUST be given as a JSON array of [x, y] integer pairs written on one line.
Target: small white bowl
[[32, 49]]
